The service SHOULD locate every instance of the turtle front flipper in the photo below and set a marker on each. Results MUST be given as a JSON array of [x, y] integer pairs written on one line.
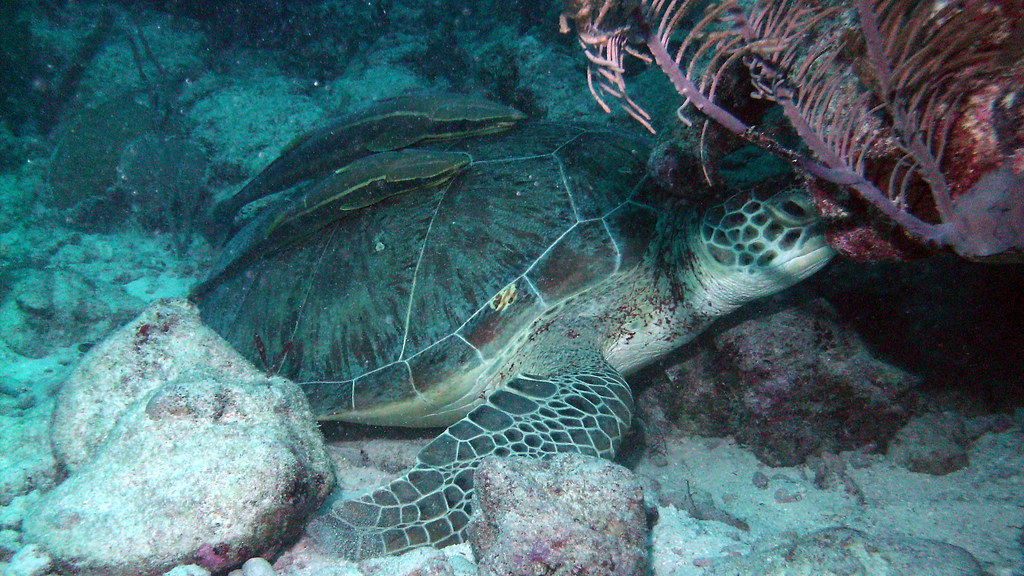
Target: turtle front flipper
[[569, 411]]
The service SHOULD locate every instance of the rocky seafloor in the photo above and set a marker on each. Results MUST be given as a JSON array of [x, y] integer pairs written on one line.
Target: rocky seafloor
[[867, 422]]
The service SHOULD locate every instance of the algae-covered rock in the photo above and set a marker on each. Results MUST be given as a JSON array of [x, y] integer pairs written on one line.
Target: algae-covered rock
[[29, 561], [934, 444], [789, 384], [53, 308], [180, 452], [568, 514]]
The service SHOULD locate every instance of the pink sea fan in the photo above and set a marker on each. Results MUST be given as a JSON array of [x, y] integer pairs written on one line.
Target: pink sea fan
[[880, 92]]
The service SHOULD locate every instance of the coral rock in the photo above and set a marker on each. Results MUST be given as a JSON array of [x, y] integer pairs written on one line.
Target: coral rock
[[48, 309], [932, 444], [788, 385], [257, 567], [570, 512], [185, 455], [29, 561], [163, 344]]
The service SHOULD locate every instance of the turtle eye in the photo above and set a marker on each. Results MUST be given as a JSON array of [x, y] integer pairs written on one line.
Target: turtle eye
[[793, 209]]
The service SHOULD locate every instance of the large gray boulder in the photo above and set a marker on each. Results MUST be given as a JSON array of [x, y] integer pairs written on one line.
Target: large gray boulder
[[180, 452], [166, 343]]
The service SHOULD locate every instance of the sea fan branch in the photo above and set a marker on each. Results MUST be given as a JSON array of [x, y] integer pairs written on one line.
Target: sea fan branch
[[873, 101]]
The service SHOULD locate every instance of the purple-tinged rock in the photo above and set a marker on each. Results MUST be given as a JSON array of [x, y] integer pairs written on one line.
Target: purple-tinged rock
[[788, 385], [934, 444], [570, 513]]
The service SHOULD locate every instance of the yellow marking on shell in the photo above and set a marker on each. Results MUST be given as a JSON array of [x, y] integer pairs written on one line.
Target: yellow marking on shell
[[505, 298]]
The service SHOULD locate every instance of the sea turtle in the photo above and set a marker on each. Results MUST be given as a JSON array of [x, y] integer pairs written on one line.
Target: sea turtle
[[506, 303]]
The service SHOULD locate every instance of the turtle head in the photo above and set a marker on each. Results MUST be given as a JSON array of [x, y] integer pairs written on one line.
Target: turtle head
[[748, 248]]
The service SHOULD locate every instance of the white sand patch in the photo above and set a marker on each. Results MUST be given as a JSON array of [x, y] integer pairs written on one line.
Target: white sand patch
[[977, 508]]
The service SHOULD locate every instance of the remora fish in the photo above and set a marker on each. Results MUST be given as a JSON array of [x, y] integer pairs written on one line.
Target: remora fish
[[388, 125]]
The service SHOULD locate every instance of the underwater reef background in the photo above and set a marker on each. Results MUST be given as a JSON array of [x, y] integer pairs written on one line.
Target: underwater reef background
[[886, 397]]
